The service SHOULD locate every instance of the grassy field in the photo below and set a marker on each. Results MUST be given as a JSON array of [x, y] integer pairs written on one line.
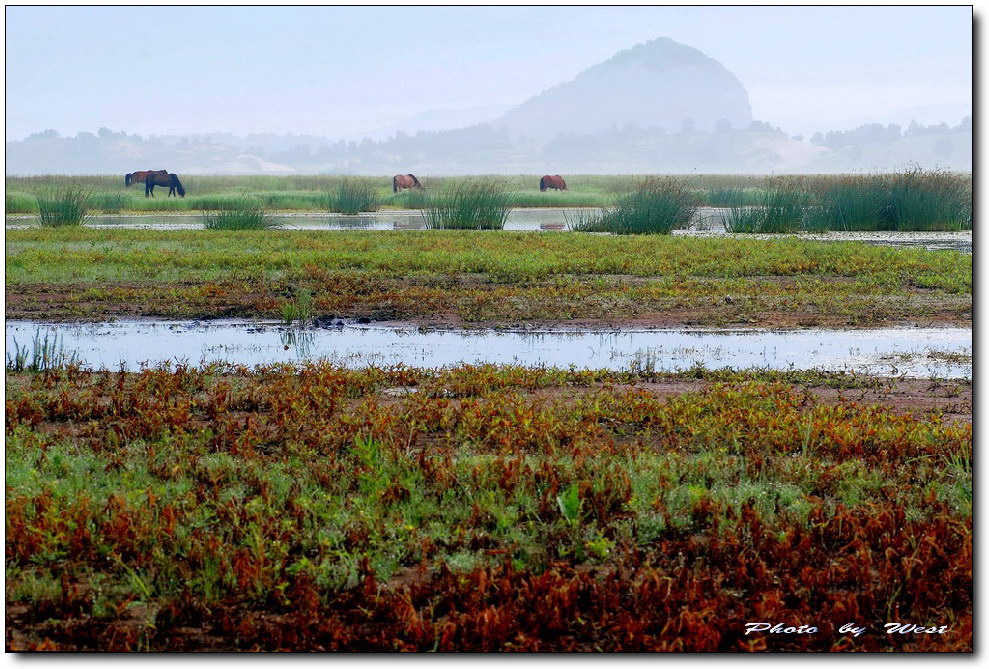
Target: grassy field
[[483, 508], [481, 278]]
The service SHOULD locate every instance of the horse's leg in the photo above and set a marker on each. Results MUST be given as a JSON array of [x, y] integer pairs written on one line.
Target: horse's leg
[[149, 187]]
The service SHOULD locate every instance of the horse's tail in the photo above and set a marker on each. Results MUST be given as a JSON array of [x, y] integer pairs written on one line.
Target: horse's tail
[[394, 184], [542, 184], [415, 182], [178, 185], [127, 178]]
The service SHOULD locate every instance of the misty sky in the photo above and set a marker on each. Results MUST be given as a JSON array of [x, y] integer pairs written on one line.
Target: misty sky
[[343, 71]]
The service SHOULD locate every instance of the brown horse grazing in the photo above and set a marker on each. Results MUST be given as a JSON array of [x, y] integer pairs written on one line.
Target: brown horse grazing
[[554, 182], [166, 179], [140, 177], [400, 181]]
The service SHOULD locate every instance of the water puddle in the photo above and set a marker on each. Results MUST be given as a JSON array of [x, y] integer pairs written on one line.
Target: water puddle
[[707, 223], [913, 352]]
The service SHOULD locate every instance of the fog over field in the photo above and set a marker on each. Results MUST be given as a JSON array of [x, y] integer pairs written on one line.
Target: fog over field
[[378, 90]]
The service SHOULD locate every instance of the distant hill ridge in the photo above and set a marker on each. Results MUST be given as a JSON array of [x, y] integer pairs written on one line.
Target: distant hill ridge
[[659, 84], [657, 107]]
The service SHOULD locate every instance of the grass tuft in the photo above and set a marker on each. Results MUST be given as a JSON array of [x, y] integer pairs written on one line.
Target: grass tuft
[[653, 206], [298, 307], [781, 209], [58, 208], [352, 196], [469, 205]]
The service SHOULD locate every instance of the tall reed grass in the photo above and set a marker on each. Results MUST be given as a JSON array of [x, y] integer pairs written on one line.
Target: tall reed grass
[[352, 196], [914, 200], [469, 205], [781, 209], [62, 207], [653, 206], [927, 200], [242, 214]]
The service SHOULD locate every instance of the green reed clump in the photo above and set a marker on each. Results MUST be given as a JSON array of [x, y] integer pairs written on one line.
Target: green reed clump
[[110, 203], [352, 196], [298, 307], [62, 207], [470, 205], [914, 200], [653, 206], [243, 214], [928, 200], [44, 353], [849, 203], [780, 209]]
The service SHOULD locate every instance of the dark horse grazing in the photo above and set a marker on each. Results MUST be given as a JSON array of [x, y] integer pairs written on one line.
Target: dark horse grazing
[[140, 177], [554, 182], [400, 181], [170, 180]]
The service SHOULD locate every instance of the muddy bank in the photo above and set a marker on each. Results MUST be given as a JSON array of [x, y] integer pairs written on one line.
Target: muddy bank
[[606, 303]]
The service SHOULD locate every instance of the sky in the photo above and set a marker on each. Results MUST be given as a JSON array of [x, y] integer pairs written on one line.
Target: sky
[[343, 72]]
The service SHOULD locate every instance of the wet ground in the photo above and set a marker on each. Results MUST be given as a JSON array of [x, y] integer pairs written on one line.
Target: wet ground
[[707, 222], [911, 352]]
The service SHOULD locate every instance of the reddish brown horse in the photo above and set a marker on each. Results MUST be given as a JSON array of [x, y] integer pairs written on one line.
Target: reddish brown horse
[[400, 181], [140, 177], [158, 179], [554, 182]]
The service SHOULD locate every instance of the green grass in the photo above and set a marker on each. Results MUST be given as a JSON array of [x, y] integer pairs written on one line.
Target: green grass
[[243, 214], [62, 207], [67, 255], [653, 206], [497, 278], [21, 203], [469, 205]]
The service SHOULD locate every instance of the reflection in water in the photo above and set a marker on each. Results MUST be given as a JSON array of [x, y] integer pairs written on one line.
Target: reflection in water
[[918, 352], [358, 222], [299, 341]]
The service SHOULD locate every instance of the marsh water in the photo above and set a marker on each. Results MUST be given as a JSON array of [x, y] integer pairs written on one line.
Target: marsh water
[[913, 352], [707, 222]]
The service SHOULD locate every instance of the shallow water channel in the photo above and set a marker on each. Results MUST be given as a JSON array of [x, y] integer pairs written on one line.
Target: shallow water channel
[[707, 222], [914, 352]]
